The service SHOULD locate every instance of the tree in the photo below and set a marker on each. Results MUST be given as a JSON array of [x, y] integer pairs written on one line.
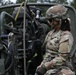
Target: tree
[[2, 2], [19, 1], [32, 0], [60, 1], [73, 3]]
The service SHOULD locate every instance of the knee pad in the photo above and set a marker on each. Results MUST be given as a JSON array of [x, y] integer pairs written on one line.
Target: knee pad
[[41, 70]]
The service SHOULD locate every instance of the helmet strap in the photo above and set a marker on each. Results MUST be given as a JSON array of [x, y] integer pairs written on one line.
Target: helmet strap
[[60, 22]]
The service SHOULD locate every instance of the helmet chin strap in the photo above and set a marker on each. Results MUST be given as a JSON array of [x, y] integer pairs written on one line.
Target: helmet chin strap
[[58, 24]]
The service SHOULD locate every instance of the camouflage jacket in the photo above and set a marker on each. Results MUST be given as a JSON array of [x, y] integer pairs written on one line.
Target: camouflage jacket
[[58, 45]]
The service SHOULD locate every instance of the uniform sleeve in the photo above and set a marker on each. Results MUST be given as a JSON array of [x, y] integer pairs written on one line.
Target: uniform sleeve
[[66, 43], [65, 46]]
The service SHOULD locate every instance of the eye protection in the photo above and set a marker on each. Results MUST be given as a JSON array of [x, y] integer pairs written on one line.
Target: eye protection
[[54, 19]]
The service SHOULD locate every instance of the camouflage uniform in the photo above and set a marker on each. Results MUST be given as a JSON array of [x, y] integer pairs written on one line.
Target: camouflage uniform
[[58, 43]]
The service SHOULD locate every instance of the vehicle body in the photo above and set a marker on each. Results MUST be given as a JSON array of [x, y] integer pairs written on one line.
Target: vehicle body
[[12, 37]]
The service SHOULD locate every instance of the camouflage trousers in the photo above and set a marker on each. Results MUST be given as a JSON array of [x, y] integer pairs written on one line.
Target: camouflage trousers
[[48, 57], [61, 70]]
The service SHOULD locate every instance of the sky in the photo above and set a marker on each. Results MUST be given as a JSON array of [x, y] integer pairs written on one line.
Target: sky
[[11, 0], [15, 0]]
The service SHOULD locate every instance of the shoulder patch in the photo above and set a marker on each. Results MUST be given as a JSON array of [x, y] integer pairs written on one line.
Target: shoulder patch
[[64, 37]]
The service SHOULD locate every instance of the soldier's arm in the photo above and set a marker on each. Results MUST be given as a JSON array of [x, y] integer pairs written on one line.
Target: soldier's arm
[[66, 43], [65, 46]]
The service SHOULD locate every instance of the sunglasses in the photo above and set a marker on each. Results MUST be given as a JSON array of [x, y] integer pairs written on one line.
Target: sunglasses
[[54, 19]]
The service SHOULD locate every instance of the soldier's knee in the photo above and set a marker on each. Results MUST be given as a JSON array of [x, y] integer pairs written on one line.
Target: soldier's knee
[[67, 72]]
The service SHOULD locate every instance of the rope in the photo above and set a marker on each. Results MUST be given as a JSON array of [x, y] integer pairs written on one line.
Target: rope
[[19, 11]]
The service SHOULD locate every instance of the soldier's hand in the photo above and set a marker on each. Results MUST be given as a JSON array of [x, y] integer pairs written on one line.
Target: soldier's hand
[[48, 65], [39, 66]]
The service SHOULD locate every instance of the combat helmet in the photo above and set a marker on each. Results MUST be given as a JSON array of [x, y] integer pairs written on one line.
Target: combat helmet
[[57, 11]]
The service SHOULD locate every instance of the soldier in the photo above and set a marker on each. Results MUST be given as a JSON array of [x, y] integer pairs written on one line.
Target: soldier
[[58, 43]]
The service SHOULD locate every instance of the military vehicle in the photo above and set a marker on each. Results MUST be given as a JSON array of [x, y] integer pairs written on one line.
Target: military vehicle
[[23, 28]]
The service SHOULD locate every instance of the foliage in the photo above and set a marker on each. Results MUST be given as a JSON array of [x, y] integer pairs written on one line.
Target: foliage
[[19, 1], [73, 3], [51, 1], [54, 1], [60, 1], [1, 2]]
